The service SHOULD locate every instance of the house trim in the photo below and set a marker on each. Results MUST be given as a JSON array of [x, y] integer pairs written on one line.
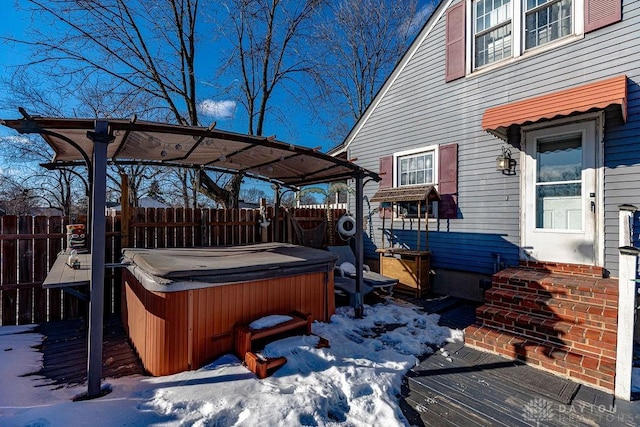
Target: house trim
[[599, 119]]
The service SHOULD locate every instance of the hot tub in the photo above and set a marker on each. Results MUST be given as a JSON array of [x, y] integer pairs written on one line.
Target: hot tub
[[180, 305]]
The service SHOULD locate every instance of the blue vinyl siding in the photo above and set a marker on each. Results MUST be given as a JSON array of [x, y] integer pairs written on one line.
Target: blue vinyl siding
[[420, 109]]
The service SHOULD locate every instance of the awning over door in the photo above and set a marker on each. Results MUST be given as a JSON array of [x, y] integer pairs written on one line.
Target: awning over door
[[604, 94]]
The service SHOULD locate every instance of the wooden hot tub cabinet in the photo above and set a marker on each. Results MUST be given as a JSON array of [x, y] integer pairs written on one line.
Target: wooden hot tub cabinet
[[188, 328]]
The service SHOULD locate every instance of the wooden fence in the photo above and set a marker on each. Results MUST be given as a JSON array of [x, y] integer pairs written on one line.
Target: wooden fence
[[29, 246]]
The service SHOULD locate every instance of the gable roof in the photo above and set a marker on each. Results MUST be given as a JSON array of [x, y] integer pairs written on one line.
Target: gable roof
[[406, 58]]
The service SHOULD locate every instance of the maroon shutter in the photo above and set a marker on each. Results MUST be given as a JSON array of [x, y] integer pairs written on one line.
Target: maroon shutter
[[448, 181], [386, 173], [455, 53], [600, 13]]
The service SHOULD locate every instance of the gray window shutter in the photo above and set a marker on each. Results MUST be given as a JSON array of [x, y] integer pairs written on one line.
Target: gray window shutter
[[600, 13], [386, 173], [455, 52], [448, 181]]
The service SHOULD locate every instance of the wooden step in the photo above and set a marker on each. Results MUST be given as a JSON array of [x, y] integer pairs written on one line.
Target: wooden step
[[583, 367], [589, 315]]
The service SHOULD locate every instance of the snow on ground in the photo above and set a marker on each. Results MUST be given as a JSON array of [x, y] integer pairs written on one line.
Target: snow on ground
[[355, 382]]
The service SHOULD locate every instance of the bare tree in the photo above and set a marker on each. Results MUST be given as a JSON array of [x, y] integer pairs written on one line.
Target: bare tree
[[113, 55], [357, 45], [268, 38], [143, 53]]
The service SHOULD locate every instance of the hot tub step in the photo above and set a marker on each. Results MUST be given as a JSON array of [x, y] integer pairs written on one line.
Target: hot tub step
[[262, 366]]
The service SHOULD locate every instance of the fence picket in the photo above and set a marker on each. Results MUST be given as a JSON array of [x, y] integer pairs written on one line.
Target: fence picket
[[25, 270], [29, 247], [8, 272]]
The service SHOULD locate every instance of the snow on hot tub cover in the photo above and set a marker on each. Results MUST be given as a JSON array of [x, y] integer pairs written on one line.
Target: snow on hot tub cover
[[227, 264]]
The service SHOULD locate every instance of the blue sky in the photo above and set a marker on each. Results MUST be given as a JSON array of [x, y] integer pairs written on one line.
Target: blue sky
[[300, 129]]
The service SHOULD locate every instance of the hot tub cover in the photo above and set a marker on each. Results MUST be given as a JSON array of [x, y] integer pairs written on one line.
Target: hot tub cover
[[227, 264]]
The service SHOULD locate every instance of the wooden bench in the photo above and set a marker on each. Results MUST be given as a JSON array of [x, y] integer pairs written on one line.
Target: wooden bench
[[249, 341]]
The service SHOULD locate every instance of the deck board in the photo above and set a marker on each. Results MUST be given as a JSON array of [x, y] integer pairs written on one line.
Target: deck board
[[471, 388], [64, 350]]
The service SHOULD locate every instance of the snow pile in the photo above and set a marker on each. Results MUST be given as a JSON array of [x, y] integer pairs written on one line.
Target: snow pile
[[269, 321], [354, 382]]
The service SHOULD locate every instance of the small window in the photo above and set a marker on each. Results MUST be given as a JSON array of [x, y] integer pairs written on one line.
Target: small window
[[492, 31], [546, 21], [415, 167], [410, 209]]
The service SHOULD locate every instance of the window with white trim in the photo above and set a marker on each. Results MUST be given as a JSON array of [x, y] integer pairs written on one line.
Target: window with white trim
[[492, 30], [415, 167], [502, 29]]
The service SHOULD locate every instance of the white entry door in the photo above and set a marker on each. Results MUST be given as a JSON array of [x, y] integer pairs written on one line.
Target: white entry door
[[561, 202]]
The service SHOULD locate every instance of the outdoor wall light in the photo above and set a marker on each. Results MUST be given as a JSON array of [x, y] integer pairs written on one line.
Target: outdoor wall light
[[504, 162]]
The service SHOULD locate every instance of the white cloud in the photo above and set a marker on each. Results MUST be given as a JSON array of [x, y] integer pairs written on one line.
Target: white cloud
[[219, 110]]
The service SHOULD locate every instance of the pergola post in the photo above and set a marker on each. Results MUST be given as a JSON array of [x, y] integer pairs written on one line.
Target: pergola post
[[359, 246], [101, 140]]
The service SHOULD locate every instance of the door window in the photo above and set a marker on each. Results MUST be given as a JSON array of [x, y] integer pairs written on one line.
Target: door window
[[559, 183]]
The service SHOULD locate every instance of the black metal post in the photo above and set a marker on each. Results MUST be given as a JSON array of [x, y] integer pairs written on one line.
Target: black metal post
[[101, 140], [359, 246]]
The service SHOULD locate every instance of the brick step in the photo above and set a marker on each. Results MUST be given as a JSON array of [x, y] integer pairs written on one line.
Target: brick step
[[564, 268], [596, 291], [592, 315], [580, 366], [554, 331]]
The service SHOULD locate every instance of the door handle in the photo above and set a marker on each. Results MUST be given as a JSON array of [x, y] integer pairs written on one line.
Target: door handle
[[593, 206]]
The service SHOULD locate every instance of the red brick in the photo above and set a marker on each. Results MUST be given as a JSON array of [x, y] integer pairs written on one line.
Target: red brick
[[608, 385], [609, 337], [592, 334], [590, 363], [598, 375], [573, 359]]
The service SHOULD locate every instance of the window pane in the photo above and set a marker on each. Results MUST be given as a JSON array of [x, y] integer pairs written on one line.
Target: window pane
[[491, 13], [559, 207], [493, 46], [410, 209], [559, 159], [416, 169], [549, 23]]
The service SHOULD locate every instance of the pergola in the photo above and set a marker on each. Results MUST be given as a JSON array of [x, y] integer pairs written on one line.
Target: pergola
[[99, 142]]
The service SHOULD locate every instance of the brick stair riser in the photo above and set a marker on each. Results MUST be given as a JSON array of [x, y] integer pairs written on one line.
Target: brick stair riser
[[569, 269], [578, 313], [602, 292], [593, 370], [552, 294], [545, 329]]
